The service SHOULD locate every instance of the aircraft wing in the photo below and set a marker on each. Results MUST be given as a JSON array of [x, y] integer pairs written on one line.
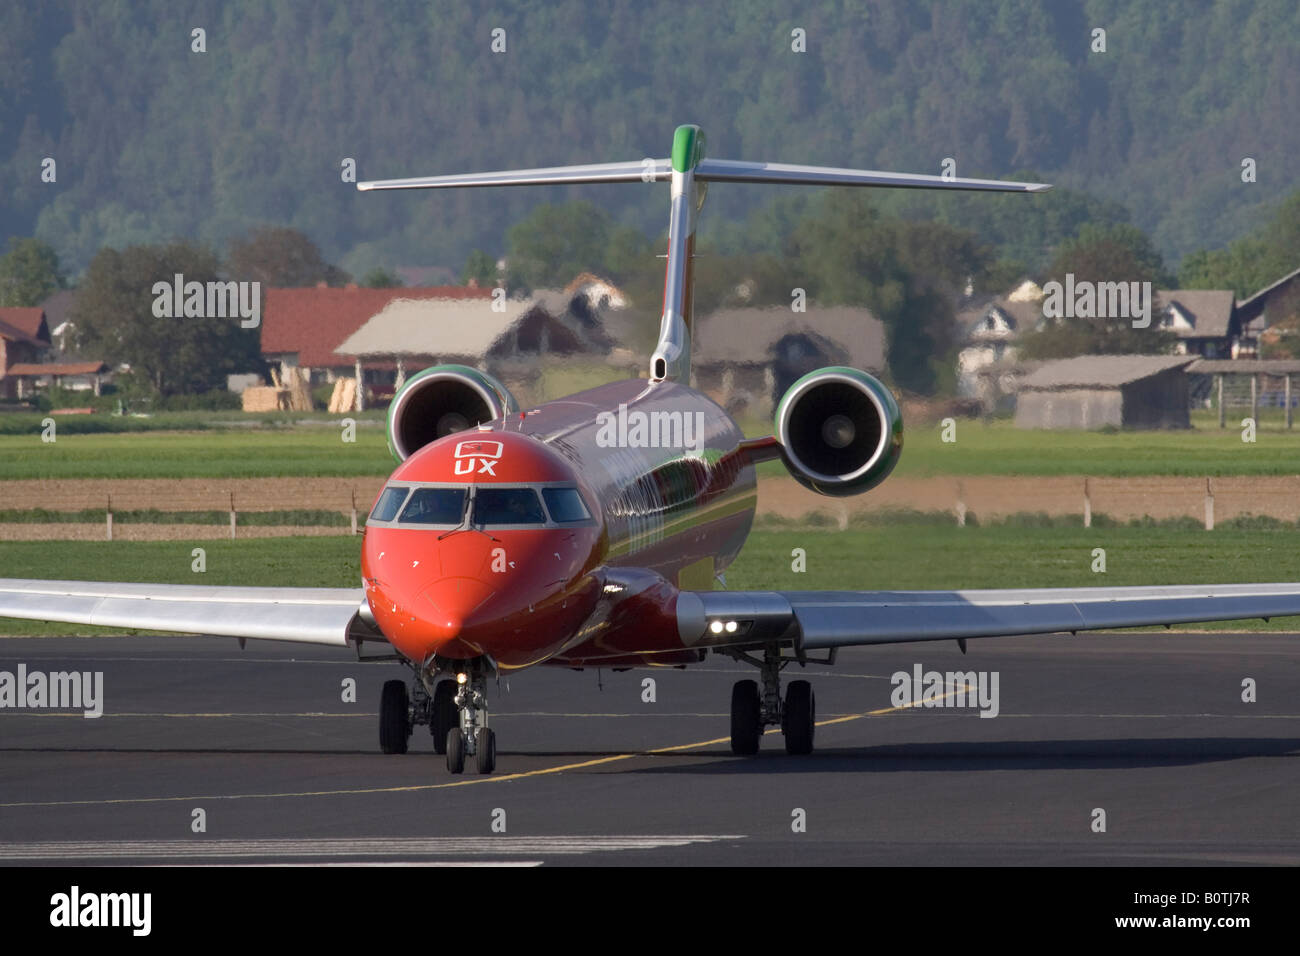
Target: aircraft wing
[[827, 619], [306, 615]]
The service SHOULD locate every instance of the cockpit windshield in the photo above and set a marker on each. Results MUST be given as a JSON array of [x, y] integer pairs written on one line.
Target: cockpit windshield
[[441, 506], [505, 506], [488, 506]]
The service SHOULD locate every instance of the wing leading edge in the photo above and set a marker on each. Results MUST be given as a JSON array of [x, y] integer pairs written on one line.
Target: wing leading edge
[[306, 615], [825, 619]]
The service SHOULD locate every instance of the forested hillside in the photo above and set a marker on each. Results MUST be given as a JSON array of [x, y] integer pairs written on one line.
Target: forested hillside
[[154, 141]]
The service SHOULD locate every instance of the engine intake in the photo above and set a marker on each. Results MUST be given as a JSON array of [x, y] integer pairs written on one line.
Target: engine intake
[[840, 431], [441, 400]]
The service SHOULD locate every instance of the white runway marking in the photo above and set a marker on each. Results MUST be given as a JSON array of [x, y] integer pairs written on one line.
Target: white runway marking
[[198, 849]]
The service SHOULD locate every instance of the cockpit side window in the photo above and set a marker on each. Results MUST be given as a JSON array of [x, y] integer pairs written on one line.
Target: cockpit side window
[[445, 506], [565, 505], [507, 506], [388, 504]]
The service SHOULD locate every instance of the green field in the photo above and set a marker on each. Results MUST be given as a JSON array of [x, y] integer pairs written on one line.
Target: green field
[[916, 555], [995, 448], [269, 452]]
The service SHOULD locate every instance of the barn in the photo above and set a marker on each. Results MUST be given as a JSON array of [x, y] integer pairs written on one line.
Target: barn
[[1094, 391]]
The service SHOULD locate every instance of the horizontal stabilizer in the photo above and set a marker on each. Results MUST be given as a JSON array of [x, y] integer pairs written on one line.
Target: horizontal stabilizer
[[707, 170], [647, 170], [735, 171]]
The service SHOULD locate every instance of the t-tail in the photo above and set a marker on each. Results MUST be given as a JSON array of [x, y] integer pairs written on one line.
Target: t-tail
[[689, 172]]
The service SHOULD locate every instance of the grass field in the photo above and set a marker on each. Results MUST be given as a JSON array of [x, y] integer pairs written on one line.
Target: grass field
[[907, 556], [995, 448], [271, 452]]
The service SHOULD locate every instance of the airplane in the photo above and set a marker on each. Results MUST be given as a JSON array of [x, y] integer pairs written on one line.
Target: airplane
[[591, 531]]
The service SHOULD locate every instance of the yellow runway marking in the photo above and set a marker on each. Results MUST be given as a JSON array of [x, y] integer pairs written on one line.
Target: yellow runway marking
[[468, 782]]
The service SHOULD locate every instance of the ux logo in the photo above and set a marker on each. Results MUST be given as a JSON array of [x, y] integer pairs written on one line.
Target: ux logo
[[486, 453]]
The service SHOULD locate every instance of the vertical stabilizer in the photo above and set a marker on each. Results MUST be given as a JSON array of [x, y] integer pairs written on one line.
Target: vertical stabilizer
[[672, 356]]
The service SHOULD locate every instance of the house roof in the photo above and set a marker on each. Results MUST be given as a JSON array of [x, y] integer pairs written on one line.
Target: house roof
[[747, 336], [11, 334], [57, 307], [57, 368], [313, 322], [1251, 307], [1245, 366], [437, 327], [1102, 371], [30, 322], [1209, 309], [1024, 315]]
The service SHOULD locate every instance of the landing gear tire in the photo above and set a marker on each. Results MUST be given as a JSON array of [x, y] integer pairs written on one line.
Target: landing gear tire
[[799, 717], [485, 747], [444, 714], [746, 718], [455, 750], [394, 718]]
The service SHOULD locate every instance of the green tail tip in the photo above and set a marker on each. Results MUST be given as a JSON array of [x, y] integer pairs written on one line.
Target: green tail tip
[[688, 147]]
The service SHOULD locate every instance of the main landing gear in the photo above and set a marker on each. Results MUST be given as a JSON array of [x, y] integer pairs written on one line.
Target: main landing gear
[[456, 713], [751, 710]]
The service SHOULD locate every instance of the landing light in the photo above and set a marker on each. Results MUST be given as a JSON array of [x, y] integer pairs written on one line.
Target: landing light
[[461, 678], [716, 627], [731, 627]]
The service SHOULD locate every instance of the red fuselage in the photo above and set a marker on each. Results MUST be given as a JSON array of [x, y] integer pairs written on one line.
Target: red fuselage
[[563, 535]]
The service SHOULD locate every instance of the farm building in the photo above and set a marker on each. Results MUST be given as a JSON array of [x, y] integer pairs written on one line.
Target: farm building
[[748, 357], [506, 338], [302, 327], [1093, 391]]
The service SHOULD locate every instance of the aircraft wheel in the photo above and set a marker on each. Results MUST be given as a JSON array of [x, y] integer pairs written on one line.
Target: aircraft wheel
[[800, 717], [444, 716], [486, 749], [746, 717], [455, 750], [394, 718]]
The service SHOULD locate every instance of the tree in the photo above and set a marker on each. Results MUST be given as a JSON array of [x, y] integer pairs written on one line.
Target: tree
[[29, 273], [282, 258], [1103, 254], [381, 278], [556, 242], [480, 267], [907, 273], [113, 319]]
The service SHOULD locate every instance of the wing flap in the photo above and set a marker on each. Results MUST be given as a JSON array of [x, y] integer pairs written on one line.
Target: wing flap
[[306, 615]]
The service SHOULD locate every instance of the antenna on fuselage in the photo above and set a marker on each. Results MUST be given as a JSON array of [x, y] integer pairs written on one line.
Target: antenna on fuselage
[[689, 172]]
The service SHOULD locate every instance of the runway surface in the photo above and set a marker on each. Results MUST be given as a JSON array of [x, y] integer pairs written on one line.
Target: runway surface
[[1151, 729]]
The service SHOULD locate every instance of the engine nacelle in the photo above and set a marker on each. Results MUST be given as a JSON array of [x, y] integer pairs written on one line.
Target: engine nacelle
[[441, 400], [840, 431]]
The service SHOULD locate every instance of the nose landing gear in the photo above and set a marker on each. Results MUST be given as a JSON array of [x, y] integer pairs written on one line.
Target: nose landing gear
[[456, 712], [473, 737]]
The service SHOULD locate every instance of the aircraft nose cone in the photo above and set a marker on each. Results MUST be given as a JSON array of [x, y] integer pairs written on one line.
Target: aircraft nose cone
[[451, 604]]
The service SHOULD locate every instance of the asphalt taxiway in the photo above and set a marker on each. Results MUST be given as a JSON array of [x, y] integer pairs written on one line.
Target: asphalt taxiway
[[1151, 729]]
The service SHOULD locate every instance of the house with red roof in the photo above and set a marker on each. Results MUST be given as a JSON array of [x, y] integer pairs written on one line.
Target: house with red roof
[[24, 339], [303, 327]]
